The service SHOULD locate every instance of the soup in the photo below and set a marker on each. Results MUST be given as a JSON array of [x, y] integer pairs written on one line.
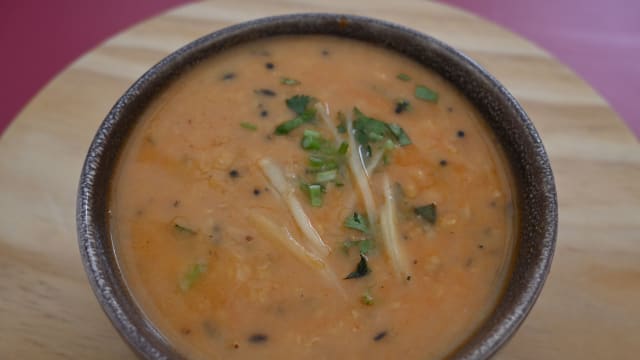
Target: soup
[[313, 197]]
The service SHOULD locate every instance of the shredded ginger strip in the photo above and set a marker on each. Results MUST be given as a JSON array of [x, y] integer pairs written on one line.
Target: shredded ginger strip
[[277, 179], [388, 226], [281, 235]]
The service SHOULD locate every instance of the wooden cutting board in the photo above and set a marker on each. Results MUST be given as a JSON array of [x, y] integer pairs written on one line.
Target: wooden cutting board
[[589, 309]]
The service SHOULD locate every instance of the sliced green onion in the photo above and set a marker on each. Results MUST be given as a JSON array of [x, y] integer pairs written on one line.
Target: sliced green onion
[[288, 126], [311, 140], [321, 163], [288, 81], [326, 176], [315, 195], [249, 126], [316, 161]]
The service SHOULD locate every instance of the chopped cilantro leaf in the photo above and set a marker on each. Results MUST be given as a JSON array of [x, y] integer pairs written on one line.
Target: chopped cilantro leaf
[[368, 129], [298, 103], [357, 221], [424, 93], [403, 77], [401, 137], [315, 195]]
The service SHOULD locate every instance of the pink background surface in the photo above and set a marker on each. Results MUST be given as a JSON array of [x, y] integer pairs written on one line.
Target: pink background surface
[[599, 39]]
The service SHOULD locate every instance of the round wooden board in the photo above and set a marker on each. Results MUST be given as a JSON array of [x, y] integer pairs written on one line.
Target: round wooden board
[[588, 309]]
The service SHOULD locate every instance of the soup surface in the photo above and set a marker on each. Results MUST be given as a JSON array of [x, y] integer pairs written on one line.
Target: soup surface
[[313, 197]]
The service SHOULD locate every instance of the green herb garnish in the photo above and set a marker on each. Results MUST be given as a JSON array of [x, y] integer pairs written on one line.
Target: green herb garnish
[[192, 275], [362, 269], [288, 126], [367, 298], [403, 77], [315, 195], [342, 150], [315, 192], [358, 222], [363, 245], [299, 103], [311, 140], [326, 176], [401, 137], [288, 81], [370, 130], [318, 162], [249, 126], [424, 93], [342, 125], [428, 213]]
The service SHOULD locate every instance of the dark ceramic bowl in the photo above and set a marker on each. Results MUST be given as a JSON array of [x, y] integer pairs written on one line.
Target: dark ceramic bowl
[[513, 129]]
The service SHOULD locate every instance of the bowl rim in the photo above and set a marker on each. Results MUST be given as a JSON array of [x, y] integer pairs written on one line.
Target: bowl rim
[[96, 244]]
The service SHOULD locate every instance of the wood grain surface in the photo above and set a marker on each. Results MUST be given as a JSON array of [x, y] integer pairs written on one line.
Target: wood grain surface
[[589, 308]]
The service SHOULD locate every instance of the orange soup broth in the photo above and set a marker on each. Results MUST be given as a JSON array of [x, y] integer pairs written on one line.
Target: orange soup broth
[[190, 159]]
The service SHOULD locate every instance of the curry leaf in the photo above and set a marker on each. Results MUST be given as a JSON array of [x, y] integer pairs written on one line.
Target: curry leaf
[[362, 269]]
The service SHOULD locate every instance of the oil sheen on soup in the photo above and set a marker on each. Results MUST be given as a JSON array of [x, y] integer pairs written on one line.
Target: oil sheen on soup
[[313, 197]]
